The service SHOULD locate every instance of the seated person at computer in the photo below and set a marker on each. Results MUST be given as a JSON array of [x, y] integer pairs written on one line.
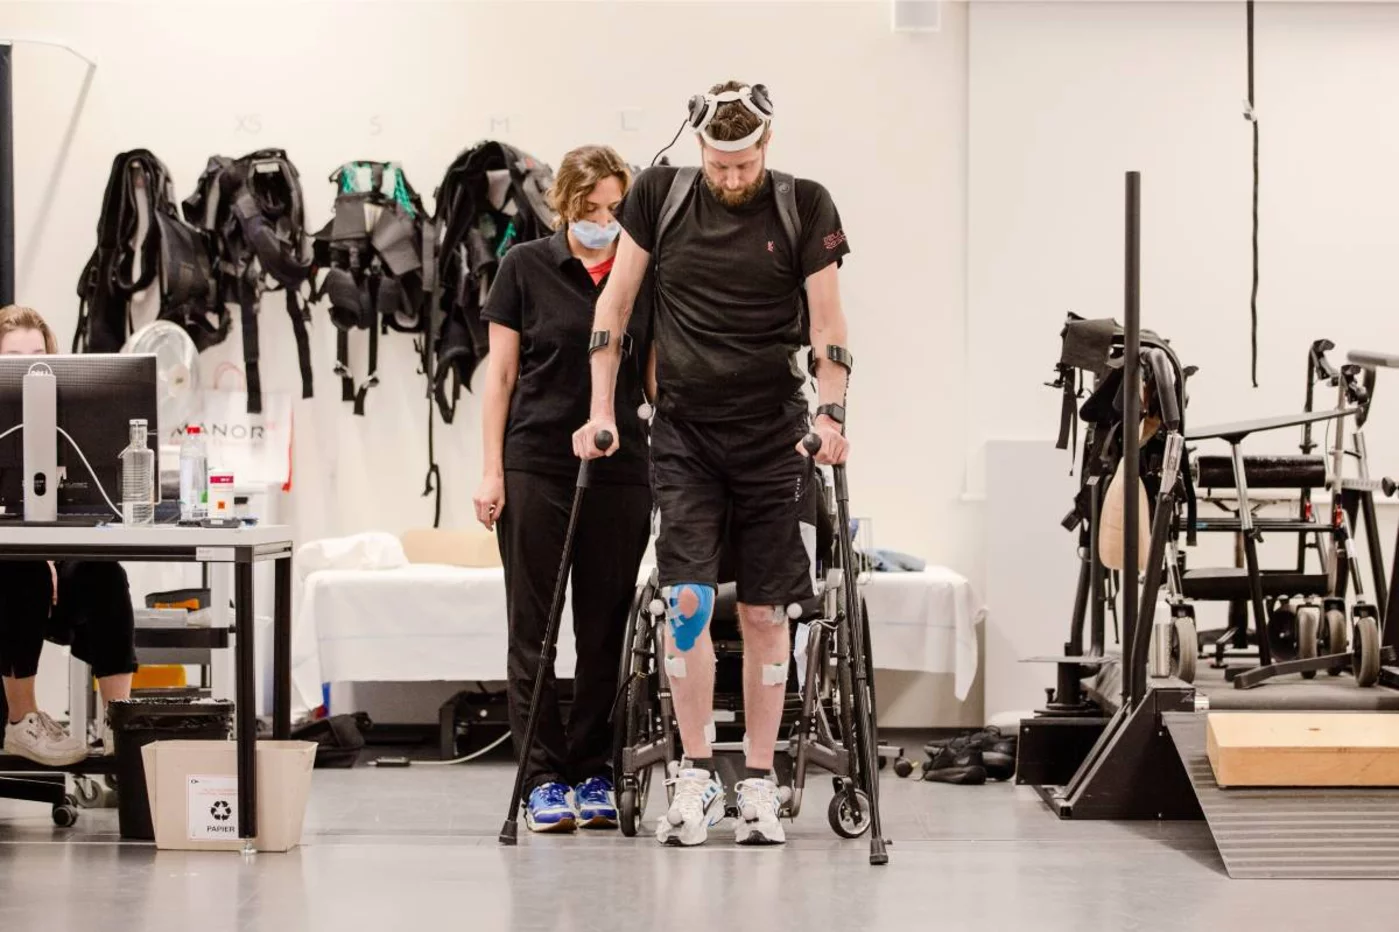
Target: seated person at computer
[[84, 604]]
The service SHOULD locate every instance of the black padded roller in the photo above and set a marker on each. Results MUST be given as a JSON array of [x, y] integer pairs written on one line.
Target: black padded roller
[[1263, 472]]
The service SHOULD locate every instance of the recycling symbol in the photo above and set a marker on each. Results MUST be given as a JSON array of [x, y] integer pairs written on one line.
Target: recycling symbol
[[221, 811]]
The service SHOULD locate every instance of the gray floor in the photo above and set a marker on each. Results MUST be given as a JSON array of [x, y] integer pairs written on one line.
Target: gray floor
[[416, 849]]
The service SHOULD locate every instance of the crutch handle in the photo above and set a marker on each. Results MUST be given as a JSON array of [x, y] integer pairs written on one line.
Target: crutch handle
[[812, 443], [603, 439]]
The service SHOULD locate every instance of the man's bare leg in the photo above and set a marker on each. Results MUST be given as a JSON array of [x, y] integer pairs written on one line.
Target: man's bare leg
[[698, 800], [766, 646]]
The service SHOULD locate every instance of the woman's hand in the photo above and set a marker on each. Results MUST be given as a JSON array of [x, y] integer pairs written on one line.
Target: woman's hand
[[490, 500]]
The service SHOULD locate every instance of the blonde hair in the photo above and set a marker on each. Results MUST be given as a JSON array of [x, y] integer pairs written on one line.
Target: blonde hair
[[15, 317], [579, 172]]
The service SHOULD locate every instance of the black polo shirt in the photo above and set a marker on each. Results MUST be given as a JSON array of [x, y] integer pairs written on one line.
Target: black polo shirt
[[546, 294]]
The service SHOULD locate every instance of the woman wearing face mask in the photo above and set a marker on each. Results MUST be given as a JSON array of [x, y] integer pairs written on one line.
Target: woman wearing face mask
[[86, 604], [540, 312]]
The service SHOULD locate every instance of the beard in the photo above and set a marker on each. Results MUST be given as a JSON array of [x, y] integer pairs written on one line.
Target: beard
[[736, 198]]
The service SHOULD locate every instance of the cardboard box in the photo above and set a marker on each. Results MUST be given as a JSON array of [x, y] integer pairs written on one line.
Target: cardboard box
[[193, 791], [1305, 749]]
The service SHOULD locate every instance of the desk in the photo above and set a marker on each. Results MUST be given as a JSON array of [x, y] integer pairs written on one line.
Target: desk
[[240, 547]]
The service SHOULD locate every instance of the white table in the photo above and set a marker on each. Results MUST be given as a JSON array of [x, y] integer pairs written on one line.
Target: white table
[[242, 548], [446, 623]]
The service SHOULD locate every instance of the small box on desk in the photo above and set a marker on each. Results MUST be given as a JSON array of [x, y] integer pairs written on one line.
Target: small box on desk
[[193, 791], [1303, 749]]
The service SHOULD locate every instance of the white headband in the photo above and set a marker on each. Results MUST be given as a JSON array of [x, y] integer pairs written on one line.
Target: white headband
[[712, 102]]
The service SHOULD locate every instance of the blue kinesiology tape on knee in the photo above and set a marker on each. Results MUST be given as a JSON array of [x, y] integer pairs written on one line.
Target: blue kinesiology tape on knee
[[688, 608]]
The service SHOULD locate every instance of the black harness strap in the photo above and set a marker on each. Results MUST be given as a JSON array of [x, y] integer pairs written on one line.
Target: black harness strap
[[247, 301]]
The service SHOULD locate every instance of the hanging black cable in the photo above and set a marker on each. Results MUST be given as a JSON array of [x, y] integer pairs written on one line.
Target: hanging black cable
[[7, 179], [1253, 119]]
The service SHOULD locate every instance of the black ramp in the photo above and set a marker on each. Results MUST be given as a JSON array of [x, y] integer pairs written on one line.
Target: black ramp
[[1291, 833]]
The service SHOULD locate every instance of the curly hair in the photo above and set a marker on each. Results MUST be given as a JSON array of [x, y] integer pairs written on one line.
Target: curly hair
[[579, 172]]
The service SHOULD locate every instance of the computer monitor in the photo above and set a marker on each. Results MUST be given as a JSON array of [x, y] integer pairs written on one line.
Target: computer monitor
[[98, 395]]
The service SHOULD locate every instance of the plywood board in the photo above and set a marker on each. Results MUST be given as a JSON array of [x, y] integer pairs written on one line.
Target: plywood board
[[1303, 748]]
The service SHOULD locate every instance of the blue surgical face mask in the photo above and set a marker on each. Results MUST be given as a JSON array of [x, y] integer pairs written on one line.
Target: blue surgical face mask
[[592, 236]]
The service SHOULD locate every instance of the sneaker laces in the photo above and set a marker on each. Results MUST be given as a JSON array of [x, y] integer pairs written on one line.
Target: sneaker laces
[[756, 797], [689, 795], [51, 728]]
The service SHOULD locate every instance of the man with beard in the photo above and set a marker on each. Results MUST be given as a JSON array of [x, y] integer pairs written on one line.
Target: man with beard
[[734, 303]]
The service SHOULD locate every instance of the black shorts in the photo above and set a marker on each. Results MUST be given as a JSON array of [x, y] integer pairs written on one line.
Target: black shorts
[[736, 502]]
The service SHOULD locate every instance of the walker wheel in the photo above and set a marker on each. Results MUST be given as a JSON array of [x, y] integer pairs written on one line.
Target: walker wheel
[[1336, 637], [1366, 651], [845, 822], [1308, 635], [903, 767], [626, 811]]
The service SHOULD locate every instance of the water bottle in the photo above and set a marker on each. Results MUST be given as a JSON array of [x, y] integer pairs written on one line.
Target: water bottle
[[138, 478], [194, 476]]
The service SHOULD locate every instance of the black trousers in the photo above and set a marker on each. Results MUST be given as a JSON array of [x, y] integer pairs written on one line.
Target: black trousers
[[610, 540], [93, 615]]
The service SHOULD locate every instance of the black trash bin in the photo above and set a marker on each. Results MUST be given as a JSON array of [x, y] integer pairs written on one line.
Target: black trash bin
[[138, 722]]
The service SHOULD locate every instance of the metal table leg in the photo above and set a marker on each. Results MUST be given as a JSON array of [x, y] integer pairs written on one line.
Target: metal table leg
[[245, 696], [281, 650]]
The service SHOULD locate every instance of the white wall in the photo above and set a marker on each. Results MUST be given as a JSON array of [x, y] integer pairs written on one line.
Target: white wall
[[876, 116], [1066, 97]]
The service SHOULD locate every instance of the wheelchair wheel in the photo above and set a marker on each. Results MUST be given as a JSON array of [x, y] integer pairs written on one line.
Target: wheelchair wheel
[[633, 716], [628, 812], [846, 820]]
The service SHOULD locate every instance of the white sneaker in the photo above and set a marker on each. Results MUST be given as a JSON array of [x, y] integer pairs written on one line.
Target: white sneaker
[[697, 805], [39, 738], [758, 808]]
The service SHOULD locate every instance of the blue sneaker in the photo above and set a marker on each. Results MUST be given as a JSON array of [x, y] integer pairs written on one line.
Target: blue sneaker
[[549, 810], [596, 803]]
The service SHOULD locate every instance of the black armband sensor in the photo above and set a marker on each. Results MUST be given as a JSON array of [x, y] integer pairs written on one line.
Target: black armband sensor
[[836, 354], [601, 338]]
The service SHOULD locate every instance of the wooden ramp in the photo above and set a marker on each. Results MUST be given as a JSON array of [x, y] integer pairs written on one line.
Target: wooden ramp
[[1289, 832]]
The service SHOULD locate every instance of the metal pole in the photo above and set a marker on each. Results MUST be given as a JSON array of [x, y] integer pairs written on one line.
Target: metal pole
[[1131, 437], [7, 178]]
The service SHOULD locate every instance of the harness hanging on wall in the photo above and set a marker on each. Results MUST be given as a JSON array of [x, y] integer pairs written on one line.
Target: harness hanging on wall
[[492, 197], [252, 208], [141, 243], [373, 252]]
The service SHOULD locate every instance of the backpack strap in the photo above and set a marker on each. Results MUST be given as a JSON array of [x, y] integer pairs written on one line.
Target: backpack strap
[[785, 190], [680, 187]]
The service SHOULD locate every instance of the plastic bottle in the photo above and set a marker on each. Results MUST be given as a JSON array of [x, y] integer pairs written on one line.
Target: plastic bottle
[[137, 478], [194, 476]]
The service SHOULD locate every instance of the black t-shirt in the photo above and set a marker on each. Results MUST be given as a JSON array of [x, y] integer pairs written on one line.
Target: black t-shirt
[[728, 293], [544, 292]]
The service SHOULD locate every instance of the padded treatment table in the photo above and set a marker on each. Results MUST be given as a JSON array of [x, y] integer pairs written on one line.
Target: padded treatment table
[[430, 622]]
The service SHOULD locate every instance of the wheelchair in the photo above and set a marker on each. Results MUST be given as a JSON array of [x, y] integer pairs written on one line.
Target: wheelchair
[[829, 713]]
